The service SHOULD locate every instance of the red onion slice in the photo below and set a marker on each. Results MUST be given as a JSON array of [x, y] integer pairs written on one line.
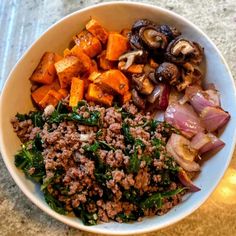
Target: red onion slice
[[215, 144], [187, 182], [179, 149], [184, 118], [202, 99], [199, 141], [214, 118], [164, 97]]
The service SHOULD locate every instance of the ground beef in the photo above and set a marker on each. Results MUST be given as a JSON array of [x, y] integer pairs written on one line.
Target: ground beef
[[113, 181]]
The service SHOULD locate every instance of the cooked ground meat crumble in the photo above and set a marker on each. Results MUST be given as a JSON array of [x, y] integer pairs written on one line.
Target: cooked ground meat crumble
[[100, 163]]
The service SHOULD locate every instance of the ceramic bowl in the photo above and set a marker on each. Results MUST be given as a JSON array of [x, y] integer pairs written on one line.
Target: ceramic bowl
[[15, 98]]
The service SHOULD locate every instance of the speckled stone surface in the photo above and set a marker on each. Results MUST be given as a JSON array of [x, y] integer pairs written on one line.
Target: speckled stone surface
[[21, 22]]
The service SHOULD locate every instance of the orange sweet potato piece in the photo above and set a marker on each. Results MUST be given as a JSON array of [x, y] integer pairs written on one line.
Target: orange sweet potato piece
[[94, 67], [104, 63], [88, 43], [133, 69], [94, 76], [96, 94], [51, 98], [85, 61], [125, 32], [76, 91], [117, 45], [96, 29], [67, 68], [45, 71], [114, 81], [41, 92], [63, 92], [153, 64], [126, 97]]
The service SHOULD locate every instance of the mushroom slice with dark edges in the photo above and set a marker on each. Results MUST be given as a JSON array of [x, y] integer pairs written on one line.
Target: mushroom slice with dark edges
[[169, 31], [152, 38], [138, 56], [167, 73], [178, 49], [135, 42], [138, 24], [190, 75], [142, 84], [197, 55], [138, 101]]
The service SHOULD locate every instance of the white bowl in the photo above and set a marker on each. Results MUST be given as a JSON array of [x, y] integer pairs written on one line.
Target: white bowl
[[115, 16]]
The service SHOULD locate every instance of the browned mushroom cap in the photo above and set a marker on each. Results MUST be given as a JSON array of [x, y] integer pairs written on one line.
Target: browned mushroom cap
[[138, 24], [152, 38], [169, 31], [178, 49], [142, 84], [138, 101], [138, 56], [167, 73], [190, 75], [182, 50], [197, 55], [135, 42]]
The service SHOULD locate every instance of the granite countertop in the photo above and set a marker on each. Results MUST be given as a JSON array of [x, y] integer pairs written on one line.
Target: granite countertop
[[22, 21]]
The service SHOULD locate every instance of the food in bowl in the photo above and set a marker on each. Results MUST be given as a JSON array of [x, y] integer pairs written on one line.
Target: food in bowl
[[114, 161]]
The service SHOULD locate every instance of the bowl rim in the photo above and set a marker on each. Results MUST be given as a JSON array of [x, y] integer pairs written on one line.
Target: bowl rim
[[64, 219]]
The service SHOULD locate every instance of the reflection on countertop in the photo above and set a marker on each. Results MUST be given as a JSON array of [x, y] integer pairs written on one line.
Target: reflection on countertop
[[22, 22]]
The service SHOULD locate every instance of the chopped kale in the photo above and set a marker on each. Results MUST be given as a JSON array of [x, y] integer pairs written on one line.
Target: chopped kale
[[86, 217], [35, 116], [30, 160], [54, 203], [156, 199], [129, 139], [106, 146]]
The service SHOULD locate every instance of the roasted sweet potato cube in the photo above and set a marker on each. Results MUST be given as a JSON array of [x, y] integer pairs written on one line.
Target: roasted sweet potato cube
[[96, 29], [41, 92], [117, 45], [89, 43], [94, 76], [133, 69], [45, 71], [114, 81], [51, 98], [67, 68], [105, 64], [85, 61], [126, 97], [63, 92], [94, 67], [76, 91], [57, 57], [96, 94]]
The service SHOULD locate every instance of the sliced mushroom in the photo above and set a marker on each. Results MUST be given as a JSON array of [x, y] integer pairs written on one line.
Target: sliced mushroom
[[143, 84], [169, 31], [167, 73], [190, 75], [135, 42], [139, 24], [198, 54], [138, 101], [182, 50], [178, 49], [137, 56], [152, 38]]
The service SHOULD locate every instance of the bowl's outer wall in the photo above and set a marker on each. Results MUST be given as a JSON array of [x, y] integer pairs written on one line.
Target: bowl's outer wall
[[16, 93]]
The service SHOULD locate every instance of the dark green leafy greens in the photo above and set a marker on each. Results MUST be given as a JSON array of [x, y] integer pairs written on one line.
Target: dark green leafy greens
[[30, 160], [156, 199], [54, 203]]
